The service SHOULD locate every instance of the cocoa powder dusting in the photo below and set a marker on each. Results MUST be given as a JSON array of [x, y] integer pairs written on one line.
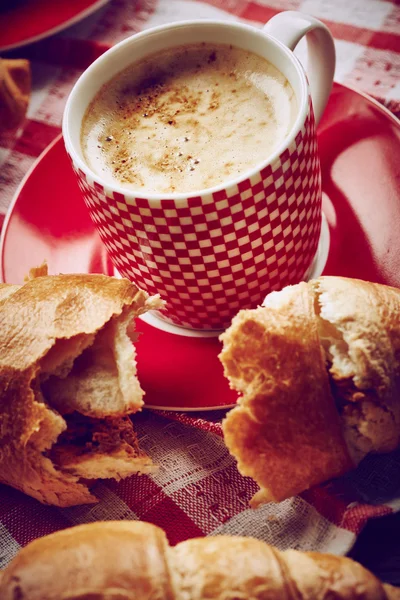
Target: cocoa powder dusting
[[179, 120]]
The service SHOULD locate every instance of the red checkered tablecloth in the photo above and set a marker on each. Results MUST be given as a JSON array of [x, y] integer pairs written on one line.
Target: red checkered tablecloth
[[198, 490]]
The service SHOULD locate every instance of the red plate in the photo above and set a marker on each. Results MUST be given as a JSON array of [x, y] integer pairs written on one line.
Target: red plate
[[360, 146], [27, 21]]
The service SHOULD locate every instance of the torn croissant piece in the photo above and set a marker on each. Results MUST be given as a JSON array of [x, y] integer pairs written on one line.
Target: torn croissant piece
[[15, 87], [67, 383], [133, 561], [318, 372]]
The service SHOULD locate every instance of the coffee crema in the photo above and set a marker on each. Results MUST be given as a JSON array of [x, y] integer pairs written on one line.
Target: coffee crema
[[187, 118]]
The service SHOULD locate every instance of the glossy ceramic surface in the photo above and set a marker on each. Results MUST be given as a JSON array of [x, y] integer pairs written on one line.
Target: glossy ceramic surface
[[28, 21], [360, 144]]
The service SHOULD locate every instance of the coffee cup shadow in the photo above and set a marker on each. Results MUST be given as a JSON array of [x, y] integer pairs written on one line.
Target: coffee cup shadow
[[354, 251]]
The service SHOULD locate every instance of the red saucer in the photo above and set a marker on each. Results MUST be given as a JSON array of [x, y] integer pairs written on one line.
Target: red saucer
[[360, 146], [27, 21]]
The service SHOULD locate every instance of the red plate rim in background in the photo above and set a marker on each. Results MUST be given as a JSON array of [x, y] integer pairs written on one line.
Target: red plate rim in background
[[29, 21], [360, 144]]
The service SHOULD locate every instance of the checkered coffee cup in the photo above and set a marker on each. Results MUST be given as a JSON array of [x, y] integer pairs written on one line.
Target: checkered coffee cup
[[212, 253]]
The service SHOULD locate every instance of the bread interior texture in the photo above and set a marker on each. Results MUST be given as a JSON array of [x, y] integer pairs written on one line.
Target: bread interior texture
[[89, 381], [360, 386]]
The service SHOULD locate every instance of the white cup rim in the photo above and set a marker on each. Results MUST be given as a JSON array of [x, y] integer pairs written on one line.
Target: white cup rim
[[226, 184]]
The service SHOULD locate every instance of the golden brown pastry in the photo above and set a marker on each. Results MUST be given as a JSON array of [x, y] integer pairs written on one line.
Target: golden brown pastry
[[133, 561], [67, 383], [318, 371], [15, 87]]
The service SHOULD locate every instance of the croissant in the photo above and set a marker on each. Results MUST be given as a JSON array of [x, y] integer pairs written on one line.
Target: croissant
[[318, 372], [67, 383], [117, 560], [15, 87]]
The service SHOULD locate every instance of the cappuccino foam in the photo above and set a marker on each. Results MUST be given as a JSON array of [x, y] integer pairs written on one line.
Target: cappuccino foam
[[187, 119]]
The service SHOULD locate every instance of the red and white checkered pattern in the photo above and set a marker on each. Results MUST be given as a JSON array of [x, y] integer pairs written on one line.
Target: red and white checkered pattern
[[366, 32], [200, 491], [209, 256]]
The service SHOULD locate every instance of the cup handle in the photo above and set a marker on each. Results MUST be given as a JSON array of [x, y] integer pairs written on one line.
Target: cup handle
[[289, 27]]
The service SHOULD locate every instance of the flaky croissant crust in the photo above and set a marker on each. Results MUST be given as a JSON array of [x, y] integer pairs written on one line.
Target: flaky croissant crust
[[317, 368], [133, 560]]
